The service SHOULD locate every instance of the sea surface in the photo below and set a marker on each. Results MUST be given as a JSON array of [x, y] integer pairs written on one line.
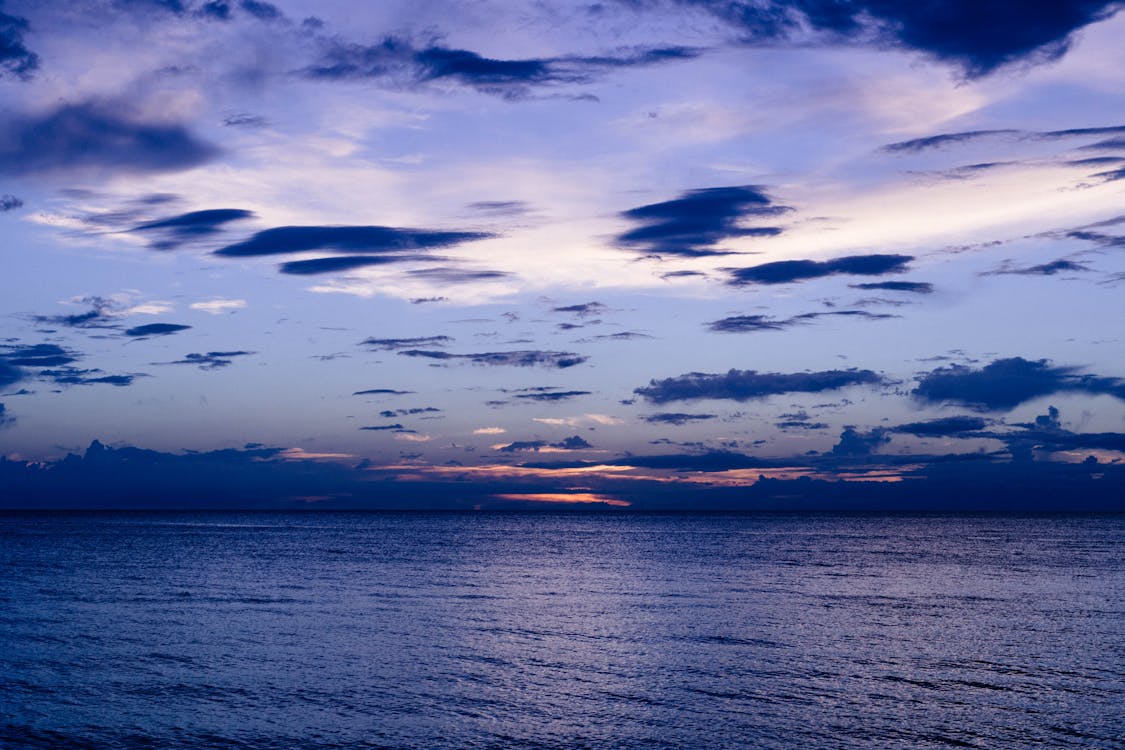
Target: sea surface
[[460, 630]]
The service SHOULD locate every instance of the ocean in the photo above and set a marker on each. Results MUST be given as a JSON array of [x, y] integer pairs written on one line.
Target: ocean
[[560, 630]]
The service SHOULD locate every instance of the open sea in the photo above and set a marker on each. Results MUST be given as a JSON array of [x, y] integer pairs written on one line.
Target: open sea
[[543, 630]]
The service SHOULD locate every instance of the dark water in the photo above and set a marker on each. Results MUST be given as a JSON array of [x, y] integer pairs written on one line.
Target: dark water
[[560, 631]]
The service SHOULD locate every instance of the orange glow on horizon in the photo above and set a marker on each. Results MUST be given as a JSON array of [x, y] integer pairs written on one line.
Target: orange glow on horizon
[[565, 497]]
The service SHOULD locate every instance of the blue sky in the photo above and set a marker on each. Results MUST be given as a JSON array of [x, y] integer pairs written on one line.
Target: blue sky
[[849, 240]]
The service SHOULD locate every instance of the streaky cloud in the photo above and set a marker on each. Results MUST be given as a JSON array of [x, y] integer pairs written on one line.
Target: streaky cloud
[[677, 418], [208, 360], [756, 323], [407, 343], [398, 61], [917, 287], [787, 271], [522, 358], [382, 392], [338, 263], [156, 329], [942, 427], [344, 239], [549, 396], [9, 203], [746, 385], [1043, 269]]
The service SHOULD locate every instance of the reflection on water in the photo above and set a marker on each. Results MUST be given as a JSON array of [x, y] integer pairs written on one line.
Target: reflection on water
[[559, 631]]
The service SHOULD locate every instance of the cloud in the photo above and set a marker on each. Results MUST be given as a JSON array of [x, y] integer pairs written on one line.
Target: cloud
[[344, 239], [676, 418], [218, 306], [393, 344], [99, 136], [412, 412], [156, 329], [208, 361], [101, 312], [500, 208], [261, 10], [9, 203], [382, 427], [75, 376], [552, 395], [977, 37], [15, 59], [9, 373], [917, 287], [489, 431], [1045, 269], [179, 229], [619, 336], [37, 355], [786, 271], [398, 61], [755, 323], [382, 392], [339, 263], [854, 443], [946, 139], [583, 310], [573, 443], [447, 275], [1007, 383], [524, 358], [693, 224], [6, 419], [745, 385], [942, 427]]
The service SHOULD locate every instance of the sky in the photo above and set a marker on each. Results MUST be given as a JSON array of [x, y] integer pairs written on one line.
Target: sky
[[626, 254]]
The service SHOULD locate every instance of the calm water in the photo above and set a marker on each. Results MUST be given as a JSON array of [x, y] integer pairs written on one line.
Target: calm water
[[560, 631]]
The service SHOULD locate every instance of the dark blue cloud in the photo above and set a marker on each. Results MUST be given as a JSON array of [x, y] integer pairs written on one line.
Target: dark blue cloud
[[383, 427], [500, 208], [15, 58], [76, 376], [1044, 269], [942, 427], [573, 443], [263, 11], [677, 418], [947, 139], [156, 329], [583, 310], [99, 315], [339, 263], [854, 443], [6, 418], [745, 385], [549, 396], [917, 287], [411, 412], [786, 271], [978, 37], [525, 358], [1007, 383], [9, 373], [179, 229], [693, 224], [398, 61], [345, 239], [409, 343], [757, 323], [382, 392], [1110, 144], [9, 203], [37, 355], [209, 360], [97, 135]]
